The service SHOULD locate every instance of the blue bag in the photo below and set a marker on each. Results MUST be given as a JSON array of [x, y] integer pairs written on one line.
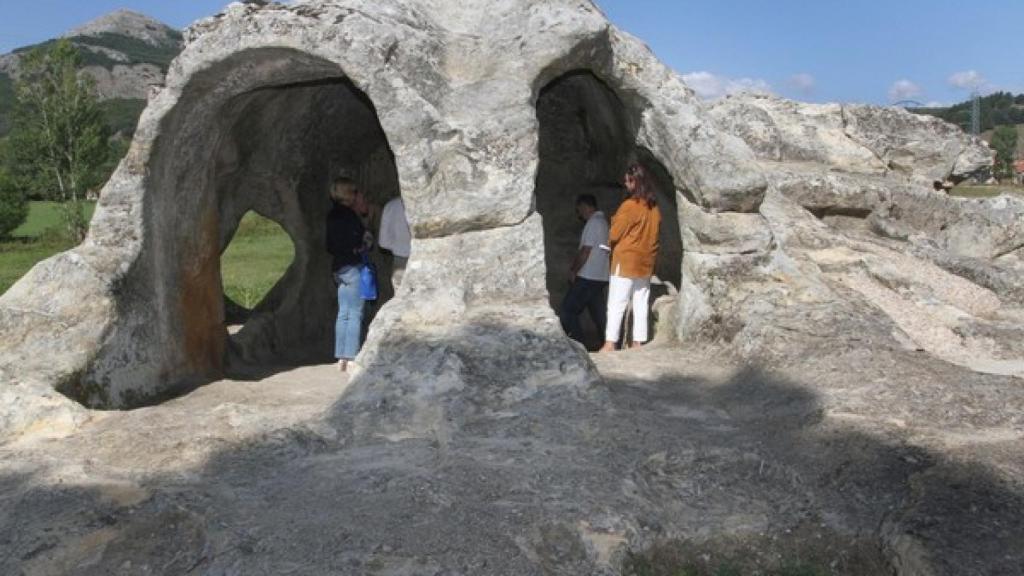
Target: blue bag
[[367, 280]]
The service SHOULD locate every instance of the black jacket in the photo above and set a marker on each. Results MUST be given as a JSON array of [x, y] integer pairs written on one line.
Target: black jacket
[[344, 237]]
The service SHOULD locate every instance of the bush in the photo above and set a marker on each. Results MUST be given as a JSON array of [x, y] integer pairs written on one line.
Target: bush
[[13, 206]]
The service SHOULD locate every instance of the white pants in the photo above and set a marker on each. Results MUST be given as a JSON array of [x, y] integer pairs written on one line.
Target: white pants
[[619, 291]]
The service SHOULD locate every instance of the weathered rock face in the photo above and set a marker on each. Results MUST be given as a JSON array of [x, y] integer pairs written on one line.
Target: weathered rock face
[[266, 105], [851, 230], [474, 437]]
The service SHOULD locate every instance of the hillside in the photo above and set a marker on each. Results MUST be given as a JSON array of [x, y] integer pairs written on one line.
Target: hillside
[[124, 52], [996, 109]]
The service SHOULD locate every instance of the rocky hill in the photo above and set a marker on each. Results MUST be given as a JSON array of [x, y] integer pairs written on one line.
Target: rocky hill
[[124, 52]]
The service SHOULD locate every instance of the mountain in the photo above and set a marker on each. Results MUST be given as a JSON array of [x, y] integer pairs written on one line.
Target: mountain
[[124, 52]]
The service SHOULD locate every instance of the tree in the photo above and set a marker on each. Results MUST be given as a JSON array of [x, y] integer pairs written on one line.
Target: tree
[[59, 139], [13, 205], [1004, 142]]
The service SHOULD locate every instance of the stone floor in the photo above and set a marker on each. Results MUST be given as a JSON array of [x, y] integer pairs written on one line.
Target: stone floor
[[918, 463]]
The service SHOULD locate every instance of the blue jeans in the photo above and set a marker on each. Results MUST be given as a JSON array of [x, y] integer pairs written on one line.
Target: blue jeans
[[583, 295], [350, 313]]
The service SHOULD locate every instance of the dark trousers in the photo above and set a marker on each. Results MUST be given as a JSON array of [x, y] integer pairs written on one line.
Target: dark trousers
[[583, 295]]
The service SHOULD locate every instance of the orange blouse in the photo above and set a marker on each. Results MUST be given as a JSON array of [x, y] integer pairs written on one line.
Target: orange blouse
[[634, 239]]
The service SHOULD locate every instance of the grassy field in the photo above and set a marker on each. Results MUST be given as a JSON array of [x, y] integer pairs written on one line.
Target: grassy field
[[37, 239], [44, 217], [257, 257]]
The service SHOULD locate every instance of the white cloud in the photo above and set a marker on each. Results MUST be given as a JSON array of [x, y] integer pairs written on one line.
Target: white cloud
[[936, 104], [710, 86], [968, 80], [904, 90], [803, 83]]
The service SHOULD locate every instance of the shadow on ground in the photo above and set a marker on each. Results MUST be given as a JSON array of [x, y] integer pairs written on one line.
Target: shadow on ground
[[509, 479]]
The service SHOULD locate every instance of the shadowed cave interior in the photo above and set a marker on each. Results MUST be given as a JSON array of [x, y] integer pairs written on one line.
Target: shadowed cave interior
[[587, 139], [283, 148]]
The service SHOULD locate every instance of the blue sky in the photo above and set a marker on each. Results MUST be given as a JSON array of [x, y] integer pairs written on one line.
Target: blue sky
[[875, 51]]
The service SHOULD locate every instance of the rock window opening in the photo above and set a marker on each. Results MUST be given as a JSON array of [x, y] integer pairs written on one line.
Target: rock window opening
[[587, 139], [258, 255], [252, 266]]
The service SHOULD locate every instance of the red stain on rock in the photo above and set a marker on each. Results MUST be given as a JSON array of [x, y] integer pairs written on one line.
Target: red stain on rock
[[201, 301]]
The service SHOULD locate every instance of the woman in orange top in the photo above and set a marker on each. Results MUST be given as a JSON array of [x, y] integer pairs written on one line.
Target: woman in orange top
[[634, 242]]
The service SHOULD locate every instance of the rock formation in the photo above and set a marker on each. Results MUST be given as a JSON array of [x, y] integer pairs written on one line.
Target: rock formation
[[794, 233], [267, 104]]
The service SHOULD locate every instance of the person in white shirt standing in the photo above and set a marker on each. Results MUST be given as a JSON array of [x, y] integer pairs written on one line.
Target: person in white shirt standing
[[396, 237], [588, 272]]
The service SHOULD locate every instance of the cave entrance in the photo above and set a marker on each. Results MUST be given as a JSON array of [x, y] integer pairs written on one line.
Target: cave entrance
[[282, 148], [587, 139], [264, 131]]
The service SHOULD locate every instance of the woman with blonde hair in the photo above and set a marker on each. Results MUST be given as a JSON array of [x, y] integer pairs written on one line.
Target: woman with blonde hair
[[633, 239], [346, 242]]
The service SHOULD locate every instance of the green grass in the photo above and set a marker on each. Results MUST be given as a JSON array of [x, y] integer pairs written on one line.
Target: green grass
[[37, 239], [257, 257], [255, 260], [17, 258], [44, 217]]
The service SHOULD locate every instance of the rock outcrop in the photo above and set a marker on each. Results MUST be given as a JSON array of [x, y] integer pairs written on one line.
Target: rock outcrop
[[266, 105], [802, 238]]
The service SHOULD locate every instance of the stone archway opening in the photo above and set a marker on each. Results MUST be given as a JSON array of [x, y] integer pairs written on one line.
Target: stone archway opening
[[587, 138], [266, 132], [288, 144], [257, 256]]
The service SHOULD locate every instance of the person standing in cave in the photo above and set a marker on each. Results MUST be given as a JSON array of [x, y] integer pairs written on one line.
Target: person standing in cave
[[347, 244], [588, 274], [634, 243], [396, 238]]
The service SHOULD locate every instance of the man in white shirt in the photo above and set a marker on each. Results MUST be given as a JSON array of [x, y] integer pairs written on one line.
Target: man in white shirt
[[588, 272], [395, 237]]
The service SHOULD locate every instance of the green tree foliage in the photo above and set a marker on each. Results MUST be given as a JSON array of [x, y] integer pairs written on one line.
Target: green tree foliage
[[58, 144], [6, 102], [1004, 142], [13, 204], [122, 115], [996, 109]]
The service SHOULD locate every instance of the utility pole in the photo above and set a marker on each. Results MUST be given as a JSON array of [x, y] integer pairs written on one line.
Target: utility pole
[[975, 113]]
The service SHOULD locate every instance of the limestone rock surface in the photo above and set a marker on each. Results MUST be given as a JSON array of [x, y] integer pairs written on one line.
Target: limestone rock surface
[[267, 104], [844, 349]]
